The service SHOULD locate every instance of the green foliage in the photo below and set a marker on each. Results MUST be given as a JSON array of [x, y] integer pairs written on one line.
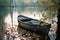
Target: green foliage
[[49, 2], [51, 10], [4, 2]]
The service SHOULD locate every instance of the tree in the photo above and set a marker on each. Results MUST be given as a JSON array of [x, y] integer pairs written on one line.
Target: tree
[[52, 9]]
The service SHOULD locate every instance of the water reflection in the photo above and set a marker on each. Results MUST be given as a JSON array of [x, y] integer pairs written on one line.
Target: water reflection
[[8, 19], [4, 11], [9, 22]]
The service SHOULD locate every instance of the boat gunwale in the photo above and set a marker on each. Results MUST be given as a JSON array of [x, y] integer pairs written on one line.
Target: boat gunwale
[[34, 20]]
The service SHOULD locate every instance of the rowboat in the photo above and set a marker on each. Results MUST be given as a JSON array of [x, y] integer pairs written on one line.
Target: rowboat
[[33, 24]]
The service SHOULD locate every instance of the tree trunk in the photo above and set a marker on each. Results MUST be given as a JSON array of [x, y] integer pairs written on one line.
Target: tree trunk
[[58, 31]]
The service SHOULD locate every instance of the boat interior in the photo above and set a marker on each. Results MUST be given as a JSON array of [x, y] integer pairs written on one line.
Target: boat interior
[[31, 21]]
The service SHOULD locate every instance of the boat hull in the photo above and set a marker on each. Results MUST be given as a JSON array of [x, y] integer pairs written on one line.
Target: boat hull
[[36, 28]]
